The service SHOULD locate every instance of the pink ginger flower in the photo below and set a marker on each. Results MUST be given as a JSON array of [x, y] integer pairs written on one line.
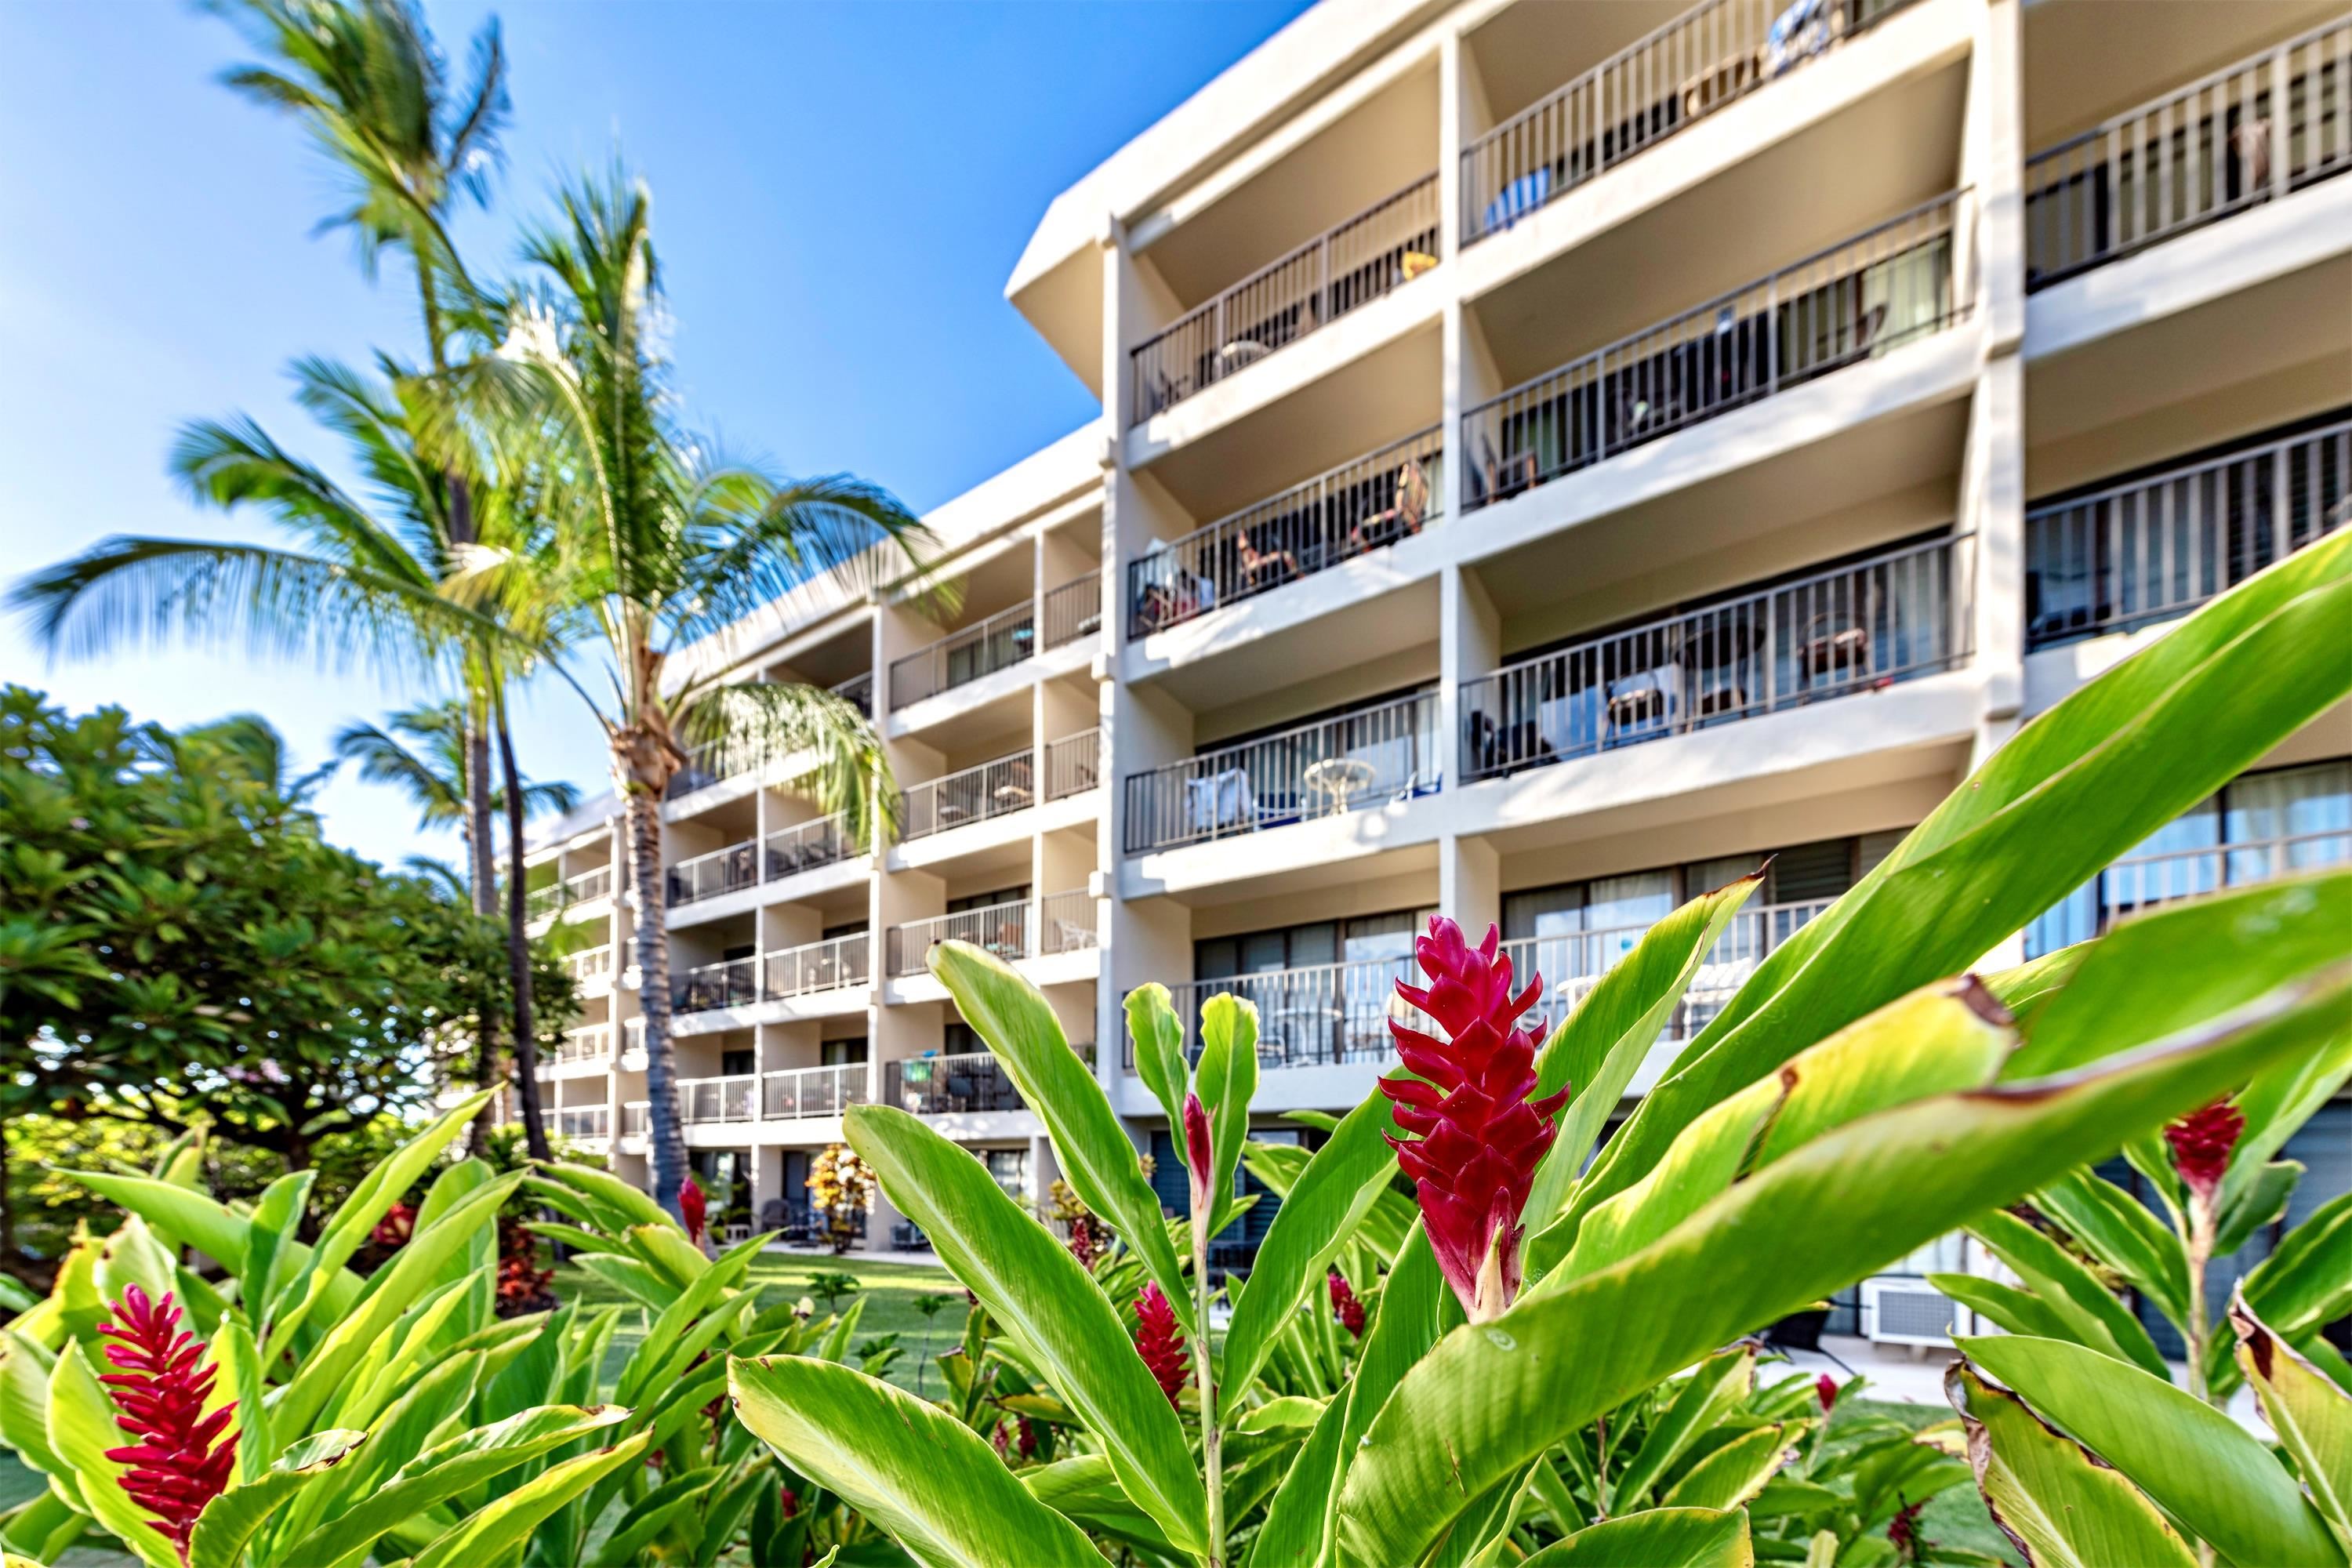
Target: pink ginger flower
[[2201, 1142], [1477, 1138], [694, 1209], [1198, 1152], [1159, 1341], [1825, 1390], [1344, 1302], [179, 1463]]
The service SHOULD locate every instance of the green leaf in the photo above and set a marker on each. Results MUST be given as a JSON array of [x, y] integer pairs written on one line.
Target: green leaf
[[2119, 1231], [1714, 1389], [1683, 1537], [447, 1470], [2018, 1311], [1317, 1218], [1600, 1045], [489, 1533], [2092, 1316], [229, 1521], [1491, 1396], [2307, 1281], [920, 1474], [242, 1378], [81, 1429], [1227, 1079], [1732, 1474], [269, 1261], [1096, 1156], [2071, 792], [665, 1351], [652, 1514], [1159, 1037], [25, 1366], [2063, 1508], [1049, 1305], [1297, 1517], [2311, 1416], [2259, 1204], [1082, 1490], [2278, 1102], [2194, 1462]]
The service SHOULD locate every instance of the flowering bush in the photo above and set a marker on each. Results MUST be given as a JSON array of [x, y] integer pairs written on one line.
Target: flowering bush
[[1551, 1364], [842, 1189]]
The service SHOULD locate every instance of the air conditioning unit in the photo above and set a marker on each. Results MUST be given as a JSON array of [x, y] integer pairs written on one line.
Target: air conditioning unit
[[1907, 1312]]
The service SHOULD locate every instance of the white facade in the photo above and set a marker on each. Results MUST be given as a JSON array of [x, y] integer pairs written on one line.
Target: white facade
[[1551, 452]]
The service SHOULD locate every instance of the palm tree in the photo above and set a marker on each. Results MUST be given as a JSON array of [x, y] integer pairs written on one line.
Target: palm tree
[[652, 545], [421, 752], [364, 582]]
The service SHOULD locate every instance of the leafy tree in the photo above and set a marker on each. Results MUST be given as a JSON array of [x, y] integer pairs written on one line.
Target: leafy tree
[[421, 752], [180, 942]]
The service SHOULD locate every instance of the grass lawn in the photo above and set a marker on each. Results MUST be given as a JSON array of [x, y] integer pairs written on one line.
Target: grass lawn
[[889, 1289]]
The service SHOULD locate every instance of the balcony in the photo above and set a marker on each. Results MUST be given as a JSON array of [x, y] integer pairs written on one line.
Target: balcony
[[589, 1043], [1072, 611], [1360, 506], [583, 1121], [2142, 882], [635, 1116], [2193, 156], [1368, 257], [1702, 62], [1072, 764], [2135, 553], [1856, 628], [1571, 964], [708, 766], [784, 853], [858, 692], [843, 962], [1855, 301], [1320, 769], [590, 967], [963, 1085], [583, 888], [1016, 929], [798, 1092], [735, 1098], [975, 794]]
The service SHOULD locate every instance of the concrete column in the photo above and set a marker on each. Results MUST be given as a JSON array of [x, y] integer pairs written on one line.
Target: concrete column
[[1992, 507], [1469, 883]]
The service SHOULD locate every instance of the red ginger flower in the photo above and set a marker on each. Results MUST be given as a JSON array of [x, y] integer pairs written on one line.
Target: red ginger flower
[[1344, 1302], [1158, 1342], [179, 1463], [1903, 1531], [2201, 1142], [1199, 1154], [1825, 1390], [693, 1208], [395, 1228], [1477, 1136]]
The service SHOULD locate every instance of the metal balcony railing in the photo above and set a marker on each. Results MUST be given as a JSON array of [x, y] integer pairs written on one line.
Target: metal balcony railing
[[797, 1092], [1359, 507], [1891, 617], [588, 1043], [858, 692], [844, 961], [2142, 882], [1321, 1015], [1073, 763], [635, 1117], [1377, 252], [1009, 930], [734, 1097], [2271, 123], [728, 870], [583, 1121], [1572, 963], [962, 1084], [971, 794], [1857, 300], [791, 850], [1072, 611], [1000, 642], [2154, 548], [1703, 61], [585, 887], [590, 965], [1320, 769]]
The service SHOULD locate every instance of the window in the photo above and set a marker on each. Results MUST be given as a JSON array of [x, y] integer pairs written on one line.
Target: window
[[1010, 1167], [959, 1038], [982, 900], [2260, 826], [838, 1053], [734, 1063], [848, 928], [1303, 946]]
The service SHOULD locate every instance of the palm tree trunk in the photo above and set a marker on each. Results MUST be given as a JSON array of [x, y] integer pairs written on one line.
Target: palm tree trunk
[[668, 1139], [482, 871], [534, 1119]]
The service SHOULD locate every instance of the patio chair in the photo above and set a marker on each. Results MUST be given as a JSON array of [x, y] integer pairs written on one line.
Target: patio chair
[[1833, 644], [1257, 564]]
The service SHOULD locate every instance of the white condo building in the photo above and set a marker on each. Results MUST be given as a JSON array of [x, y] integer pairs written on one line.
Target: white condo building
[[1552, 455]]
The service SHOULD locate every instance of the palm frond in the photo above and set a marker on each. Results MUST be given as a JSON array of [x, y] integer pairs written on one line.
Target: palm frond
[[836, 755], [238, 464], [751, 540], [432, 781]]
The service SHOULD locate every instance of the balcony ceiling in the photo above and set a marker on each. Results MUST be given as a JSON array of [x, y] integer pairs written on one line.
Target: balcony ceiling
[[1842, 175], [1375, 628], [1864, 486], [1371, 153], [2080, 68], [1532, 49]]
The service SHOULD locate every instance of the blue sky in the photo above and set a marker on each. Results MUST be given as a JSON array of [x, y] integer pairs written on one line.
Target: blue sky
[[840, 192]]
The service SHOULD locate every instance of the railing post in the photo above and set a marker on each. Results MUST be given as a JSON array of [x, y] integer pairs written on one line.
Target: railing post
[[2281, 137]]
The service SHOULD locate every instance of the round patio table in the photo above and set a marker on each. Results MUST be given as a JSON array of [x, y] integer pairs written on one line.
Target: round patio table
[[1338, 778]]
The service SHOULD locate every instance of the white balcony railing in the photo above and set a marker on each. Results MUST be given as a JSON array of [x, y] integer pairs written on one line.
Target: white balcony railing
[[829, 966], [1572, 963], [2144, 882], [635, 1115], [1000, 642], [1321, 769], [734, 1097], [2151, 549], [989, 789], [1890, 619], [1073, 763], [707, 876], [962, 1084], [588, 1043], [590, 965], [797, 1092], [1016, 929], [583, 1121], [585, 887], [2250, 132]]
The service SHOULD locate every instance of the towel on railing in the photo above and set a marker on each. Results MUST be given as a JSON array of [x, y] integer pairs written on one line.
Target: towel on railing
[[1520, 197], [1221, 800]]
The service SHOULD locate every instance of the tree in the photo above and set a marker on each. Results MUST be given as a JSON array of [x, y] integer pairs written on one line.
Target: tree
[[421, 752], [182, 944], [652, 545]]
